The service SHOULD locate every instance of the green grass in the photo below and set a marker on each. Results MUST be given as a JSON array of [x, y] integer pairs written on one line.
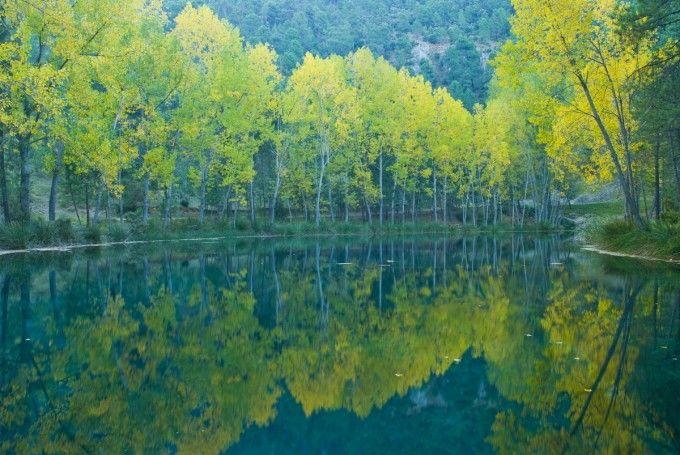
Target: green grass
[[659, 240]]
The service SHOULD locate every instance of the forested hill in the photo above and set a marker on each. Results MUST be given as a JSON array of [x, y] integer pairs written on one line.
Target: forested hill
[[448, 41]]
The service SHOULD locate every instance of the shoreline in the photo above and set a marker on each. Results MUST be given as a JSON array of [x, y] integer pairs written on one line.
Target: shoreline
[[604, 252], [457, 232]]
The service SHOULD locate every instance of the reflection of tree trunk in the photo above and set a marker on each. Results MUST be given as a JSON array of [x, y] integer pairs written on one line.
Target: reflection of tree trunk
[[202, 280], [322, 299], [147, 291], [168, 271], [380, 279], [277, 284], [4, 298], [54, 300], [623, 322]]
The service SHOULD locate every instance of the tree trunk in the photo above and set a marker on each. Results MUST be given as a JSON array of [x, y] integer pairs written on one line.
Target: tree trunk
[[676, 161], [631, 203], [3, 184], [275, 196], [98, 207], [657, 183], [56, 174], [87, 204], [204, 190], [368, 211], [167, 194], [434, 196], [322, 169], [330, 204], [145, 209], [413, 207], [251, 199], [25, 185], [444, 201], [73, 200], [382, 196]]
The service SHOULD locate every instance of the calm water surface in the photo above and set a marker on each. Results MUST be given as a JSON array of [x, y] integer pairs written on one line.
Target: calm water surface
[[401, 345]]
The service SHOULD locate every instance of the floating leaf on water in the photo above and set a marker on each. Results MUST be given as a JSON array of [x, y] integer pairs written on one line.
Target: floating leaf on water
[[529, 335], [344, 263], [663, 347]]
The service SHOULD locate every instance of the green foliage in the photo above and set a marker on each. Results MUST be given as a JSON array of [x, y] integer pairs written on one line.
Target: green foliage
[[451, 34], [118, 232]]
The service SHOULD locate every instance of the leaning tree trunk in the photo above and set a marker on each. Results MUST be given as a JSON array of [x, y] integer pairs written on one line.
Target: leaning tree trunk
[[56, 175], [628, 193]]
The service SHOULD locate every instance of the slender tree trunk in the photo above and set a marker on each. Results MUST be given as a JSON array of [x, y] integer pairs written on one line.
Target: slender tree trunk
[[73, 200], [368, 211], [676, 160], [145, 207], [25, 179], [87, 204], [394, 195], [403, 206], [382, 196], [204, 190], [167, 194], [98, 206], [322, 169], [434, 196], [657, 182], [121, 208], [275, 196], [331, 210], [444, 200], [56, 174], [4, 193], [251, 198], [413, 207]]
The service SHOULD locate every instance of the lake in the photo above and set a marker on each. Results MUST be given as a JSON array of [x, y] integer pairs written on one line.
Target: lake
[[509, 344]]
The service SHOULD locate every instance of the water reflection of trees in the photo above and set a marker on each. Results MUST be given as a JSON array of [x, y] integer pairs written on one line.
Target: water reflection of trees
[[182, 350]]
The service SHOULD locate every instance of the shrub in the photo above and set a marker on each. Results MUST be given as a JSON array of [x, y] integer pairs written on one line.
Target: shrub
[[64, 231], [14, 236], [242, 224], [92, 234], [118, 232], [41, 233]]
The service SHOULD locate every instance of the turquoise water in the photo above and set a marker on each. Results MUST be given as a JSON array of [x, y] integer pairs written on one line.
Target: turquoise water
[[401, 345]]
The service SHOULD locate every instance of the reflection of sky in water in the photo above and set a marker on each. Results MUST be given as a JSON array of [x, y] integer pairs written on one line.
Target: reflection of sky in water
[[507, 345]]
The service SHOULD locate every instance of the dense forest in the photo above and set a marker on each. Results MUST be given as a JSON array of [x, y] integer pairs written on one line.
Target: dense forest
[[135, 111], [448, 41]]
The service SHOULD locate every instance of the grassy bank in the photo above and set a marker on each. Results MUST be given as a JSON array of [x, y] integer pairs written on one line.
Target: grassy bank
[[660, 240], [41, 234]]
